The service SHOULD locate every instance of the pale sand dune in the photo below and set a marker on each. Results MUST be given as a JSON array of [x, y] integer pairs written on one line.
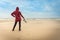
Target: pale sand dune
[[42, 29]]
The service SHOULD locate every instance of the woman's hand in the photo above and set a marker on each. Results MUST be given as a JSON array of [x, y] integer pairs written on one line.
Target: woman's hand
[[24, 20]]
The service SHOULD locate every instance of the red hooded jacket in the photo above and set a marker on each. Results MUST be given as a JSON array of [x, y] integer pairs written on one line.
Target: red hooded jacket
[[17, 15]]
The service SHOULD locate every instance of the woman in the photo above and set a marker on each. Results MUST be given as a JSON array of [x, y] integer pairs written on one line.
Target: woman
[[17, 15]]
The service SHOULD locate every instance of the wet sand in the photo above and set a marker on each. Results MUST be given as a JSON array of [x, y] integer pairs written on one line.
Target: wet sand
[[34, 29]]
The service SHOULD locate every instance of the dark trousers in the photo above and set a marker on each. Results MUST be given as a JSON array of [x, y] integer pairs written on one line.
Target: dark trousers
[[15, 25]]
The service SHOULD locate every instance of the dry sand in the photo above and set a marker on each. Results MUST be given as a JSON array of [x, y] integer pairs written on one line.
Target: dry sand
[[34, 29]]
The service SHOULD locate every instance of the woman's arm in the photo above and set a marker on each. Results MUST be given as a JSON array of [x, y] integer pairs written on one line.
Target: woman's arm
[[13, 14], [23, 18], [21, 15]]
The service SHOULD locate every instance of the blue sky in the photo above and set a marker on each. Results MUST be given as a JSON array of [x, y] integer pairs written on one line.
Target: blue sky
[[31, 8]]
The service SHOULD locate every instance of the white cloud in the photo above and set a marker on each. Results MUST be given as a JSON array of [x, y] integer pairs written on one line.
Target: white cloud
[[48, 8]]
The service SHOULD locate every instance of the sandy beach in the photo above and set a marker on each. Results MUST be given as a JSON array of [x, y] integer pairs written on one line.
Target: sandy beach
[[34, 29]]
